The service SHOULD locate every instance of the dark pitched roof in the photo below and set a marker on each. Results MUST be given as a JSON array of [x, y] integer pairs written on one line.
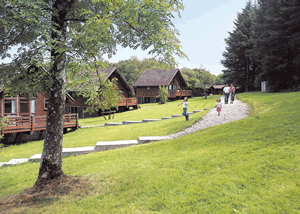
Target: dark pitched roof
[[108, 72], [158, 77]]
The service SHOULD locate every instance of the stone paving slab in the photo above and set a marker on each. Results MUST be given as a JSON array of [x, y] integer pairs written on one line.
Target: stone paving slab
[[165, 118], [2, 163], [150, 120], [207, 109], [148, 139], [90, 126], [107, 145], [35, 157], [131, 122], [196, 111], [16, 161], [178, 115], [113, 124], [78, 150], [190, 113]]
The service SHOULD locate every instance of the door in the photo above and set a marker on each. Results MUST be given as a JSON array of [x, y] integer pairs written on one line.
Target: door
[[24, 107]]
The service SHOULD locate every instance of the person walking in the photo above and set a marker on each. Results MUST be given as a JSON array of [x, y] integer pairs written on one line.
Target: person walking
[[226, 90], [185, 103], [219, 106], [231, 93]]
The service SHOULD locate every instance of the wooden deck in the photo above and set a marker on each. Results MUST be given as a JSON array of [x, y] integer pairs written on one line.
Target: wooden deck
[[181, 93], [35, 123], [132, 101]]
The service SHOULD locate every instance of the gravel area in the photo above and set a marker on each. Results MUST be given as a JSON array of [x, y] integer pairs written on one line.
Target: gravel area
[[230, 112]]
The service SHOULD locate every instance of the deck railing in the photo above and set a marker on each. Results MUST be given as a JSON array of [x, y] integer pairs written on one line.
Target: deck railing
[[180, 93], [35, 123], [132, 101]]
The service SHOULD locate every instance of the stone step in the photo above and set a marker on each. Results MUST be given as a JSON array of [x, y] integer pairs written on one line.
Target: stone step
[[91, 126], [16, 161], [126, 122], [190, 113], [148, 139], [113, 124], [69, 151], [178, 115], [150, 120], [107, 145], [196, 111], [2, 163], [165, 118], [207, 109]]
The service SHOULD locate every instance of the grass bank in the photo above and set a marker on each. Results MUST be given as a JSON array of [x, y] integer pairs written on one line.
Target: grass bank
[[90, 136], [247, 166]]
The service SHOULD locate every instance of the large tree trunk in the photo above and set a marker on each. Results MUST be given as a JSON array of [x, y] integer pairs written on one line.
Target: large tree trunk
[[51, 162]]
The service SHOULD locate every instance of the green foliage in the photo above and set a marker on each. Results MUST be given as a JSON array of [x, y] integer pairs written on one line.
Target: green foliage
[[163, 94], [197, 78], [264, 46], [247, 166]]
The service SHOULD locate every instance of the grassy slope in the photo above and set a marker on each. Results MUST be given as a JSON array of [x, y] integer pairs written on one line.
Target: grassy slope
[[90, 136], [248, 166]]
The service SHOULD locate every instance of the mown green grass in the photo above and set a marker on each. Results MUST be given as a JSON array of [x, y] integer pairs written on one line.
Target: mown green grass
[[90, 136], [247, 166], [153, 111]]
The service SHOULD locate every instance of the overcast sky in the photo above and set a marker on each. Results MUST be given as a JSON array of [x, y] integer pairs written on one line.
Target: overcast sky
[[203, 27]]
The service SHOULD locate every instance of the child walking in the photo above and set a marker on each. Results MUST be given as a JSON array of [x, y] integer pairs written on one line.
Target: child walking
[[185, 103], [219, 106]]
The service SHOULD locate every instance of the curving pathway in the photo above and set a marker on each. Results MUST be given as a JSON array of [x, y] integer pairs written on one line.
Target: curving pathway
[[230, 112]]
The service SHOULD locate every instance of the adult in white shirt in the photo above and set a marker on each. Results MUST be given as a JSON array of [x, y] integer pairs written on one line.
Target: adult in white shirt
[[226, 91]]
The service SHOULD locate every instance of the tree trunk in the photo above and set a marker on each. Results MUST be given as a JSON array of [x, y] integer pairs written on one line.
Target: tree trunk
[[51, 162]]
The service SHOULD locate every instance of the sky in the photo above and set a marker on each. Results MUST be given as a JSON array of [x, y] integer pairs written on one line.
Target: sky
[[203, 27]]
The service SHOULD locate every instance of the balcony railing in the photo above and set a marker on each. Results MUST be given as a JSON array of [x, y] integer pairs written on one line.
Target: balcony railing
[[180, 93], [35, 123], [132, 101]]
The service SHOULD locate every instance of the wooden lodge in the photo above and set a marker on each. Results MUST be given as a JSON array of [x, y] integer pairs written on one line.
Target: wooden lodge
[[125, 89], [148, 84]]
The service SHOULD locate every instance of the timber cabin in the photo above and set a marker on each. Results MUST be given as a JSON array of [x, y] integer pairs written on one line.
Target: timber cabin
[[148, 84], [125, 89]]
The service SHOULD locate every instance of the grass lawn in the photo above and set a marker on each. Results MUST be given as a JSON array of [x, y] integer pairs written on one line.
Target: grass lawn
[[90, 136], [153, 111], [247, 166]]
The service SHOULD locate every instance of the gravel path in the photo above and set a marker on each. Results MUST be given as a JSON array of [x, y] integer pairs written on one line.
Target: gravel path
[[230, 112]]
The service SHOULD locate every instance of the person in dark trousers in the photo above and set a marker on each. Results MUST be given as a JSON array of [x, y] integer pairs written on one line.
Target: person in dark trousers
[[185, 103], [226, 91]]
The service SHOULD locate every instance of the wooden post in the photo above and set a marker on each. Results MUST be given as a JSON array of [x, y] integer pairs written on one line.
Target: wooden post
[[32, 125], [77, 125]]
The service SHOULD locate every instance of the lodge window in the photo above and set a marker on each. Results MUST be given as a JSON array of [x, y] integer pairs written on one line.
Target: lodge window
[[33, 106], [46, 104], [10, 106], [24, 106]]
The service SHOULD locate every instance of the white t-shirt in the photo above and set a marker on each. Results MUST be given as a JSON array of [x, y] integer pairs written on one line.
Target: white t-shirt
[[219, 105], [185, 104], [226, 89]]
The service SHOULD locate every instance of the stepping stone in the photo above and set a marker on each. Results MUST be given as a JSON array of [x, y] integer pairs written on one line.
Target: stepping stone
[[148, 139], [78, 150], [107, 145], [190, 113], [113, 124], [131, 122], [2, 163], [178, 115], [35, 157], [196, 111], [207, 109], [89, 126], [165, 118], [150, 120], [16, 161]]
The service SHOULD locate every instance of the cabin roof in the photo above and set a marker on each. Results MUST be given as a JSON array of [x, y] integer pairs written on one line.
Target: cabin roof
[[108, 72], [158, 77]]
